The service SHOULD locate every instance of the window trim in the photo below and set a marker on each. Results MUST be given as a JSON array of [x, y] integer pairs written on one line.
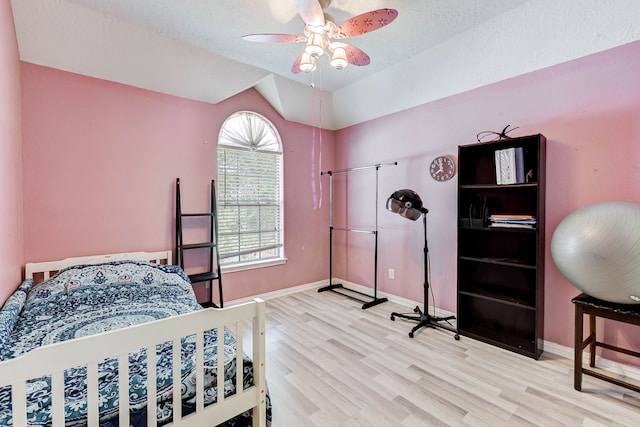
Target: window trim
[[251, 265]]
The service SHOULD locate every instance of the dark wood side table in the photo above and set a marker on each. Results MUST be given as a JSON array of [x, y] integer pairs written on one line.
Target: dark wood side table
[[593, 307]]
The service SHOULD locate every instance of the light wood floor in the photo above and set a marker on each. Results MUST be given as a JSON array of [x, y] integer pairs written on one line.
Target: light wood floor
[[330, 363]]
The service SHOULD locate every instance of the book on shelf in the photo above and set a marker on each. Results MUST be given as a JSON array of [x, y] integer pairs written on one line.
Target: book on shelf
[[511, 217], [507, 166], [512, 220], [523, 221], [519, 166], [498, 168], [509, 163], [512, 225]]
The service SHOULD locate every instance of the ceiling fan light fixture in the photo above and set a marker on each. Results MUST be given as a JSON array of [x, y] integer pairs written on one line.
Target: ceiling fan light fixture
[[322, 35], [307, 63], [339, 58], [316, 42]]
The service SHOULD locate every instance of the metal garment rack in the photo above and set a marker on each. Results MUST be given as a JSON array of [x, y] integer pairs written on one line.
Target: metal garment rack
[[338, 287]]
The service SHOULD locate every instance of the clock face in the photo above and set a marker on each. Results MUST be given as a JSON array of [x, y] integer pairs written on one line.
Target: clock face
[[442, 168]]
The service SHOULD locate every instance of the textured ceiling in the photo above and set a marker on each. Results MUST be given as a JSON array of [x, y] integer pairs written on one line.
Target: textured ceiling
[[194, 48], [218, 26]]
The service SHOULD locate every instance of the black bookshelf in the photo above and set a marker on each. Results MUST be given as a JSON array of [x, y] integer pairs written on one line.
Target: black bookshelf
[[501, 267]]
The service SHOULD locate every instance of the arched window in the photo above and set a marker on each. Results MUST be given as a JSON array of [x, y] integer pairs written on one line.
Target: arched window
[[249, 192]]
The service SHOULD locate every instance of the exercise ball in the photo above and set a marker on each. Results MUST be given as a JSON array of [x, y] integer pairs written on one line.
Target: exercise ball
[[597, 249]]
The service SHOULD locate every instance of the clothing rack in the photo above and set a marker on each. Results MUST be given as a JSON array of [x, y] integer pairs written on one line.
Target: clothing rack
[[338, 287]]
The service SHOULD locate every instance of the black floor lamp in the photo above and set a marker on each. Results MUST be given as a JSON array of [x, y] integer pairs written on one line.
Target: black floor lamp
[[408, 204]]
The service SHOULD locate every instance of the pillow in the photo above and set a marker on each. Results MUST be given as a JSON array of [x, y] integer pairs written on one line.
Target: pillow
[[85, 276], [12, 309]]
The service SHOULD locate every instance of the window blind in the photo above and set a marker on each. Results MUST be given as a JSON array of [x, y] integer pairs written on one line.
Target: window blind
[[249, 205]]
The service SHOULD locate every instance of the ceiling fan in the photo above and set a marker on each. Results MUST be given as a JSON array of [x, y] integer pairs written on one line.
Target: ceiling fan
[[322, 35]]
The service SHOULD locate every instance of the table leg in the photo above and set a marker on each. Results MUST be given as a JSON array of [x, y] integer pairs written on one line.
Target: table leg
[[592, 340], [577, 350]]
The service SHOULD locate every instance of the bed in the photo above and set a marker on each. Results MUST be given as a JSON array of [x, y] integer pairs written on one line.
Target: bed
[[93, 343]]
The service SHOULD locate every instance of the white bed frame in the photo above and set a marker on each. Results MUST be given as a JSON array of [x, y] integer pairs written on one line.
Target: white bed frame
[[52, 360]]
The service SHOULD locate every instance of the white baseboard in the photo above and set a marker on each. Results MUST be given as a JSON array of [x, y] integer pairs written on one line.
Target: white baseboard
[[281, 292], [622, 369]]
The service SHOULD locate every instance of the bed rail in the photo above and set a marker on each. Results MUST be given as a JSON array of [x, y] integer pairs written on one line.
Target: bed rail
[[52, 360]]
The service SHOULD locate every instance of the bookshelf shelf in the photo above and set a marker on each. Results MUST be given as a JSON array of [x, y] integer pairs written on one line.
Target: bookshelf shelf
[[500, 262], [499, 186]]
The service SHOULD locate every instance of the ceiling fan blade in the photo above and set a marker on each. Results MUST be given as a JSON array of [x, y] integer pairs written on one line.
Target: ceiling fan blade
[[356, 56], [295, 68], [310, 11], [367, 22], [274, 38]]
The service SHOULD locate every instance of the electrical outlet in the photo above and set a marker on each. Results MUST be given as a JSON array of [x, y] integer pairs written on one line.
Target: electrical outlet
[[392, 274]]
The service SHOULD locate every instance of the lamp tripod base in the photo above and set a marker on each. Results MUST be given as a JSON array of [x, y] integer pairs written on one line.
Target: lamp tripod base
[[426, 320]]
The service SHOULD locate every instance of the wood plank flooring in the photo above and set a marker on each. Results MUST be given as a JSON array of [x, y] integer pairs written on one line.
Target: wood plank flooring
[[330, 363]]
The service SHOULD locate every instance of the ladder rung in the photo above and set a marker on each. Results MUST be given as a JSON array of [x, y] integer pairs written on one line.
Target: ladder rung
[[203, 277], [199, 245], [197, 214], [209, 304]]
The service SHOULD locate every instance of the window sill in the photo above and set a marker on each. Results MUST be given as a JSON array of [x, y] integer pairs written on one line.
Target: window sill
[[252, 265]]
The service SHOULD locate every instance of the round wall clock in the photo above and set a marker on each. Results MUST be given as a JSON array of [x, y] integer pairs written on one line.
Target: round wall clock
[[442, 168]]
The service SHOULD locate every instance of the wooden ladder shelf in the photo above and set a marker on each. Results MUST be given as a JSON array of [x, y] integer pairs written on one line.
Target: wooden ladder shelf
[[213, 272]]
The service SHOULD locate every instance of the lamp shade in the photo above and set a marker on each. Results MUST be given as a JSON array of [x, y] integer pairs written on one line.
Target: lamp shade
[[315, 44], [339, 58], [406, 203], [307, 63]]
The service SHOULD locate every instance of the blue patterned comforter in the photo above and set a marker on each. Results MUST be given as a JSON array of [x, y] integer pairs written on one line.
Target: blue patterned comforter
[[90, 299]]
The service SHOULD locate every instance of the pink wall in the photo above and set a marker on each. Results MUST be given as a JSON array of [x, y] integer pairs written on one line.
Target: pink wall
[[11, 246], [101, 161], [588, 109]]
